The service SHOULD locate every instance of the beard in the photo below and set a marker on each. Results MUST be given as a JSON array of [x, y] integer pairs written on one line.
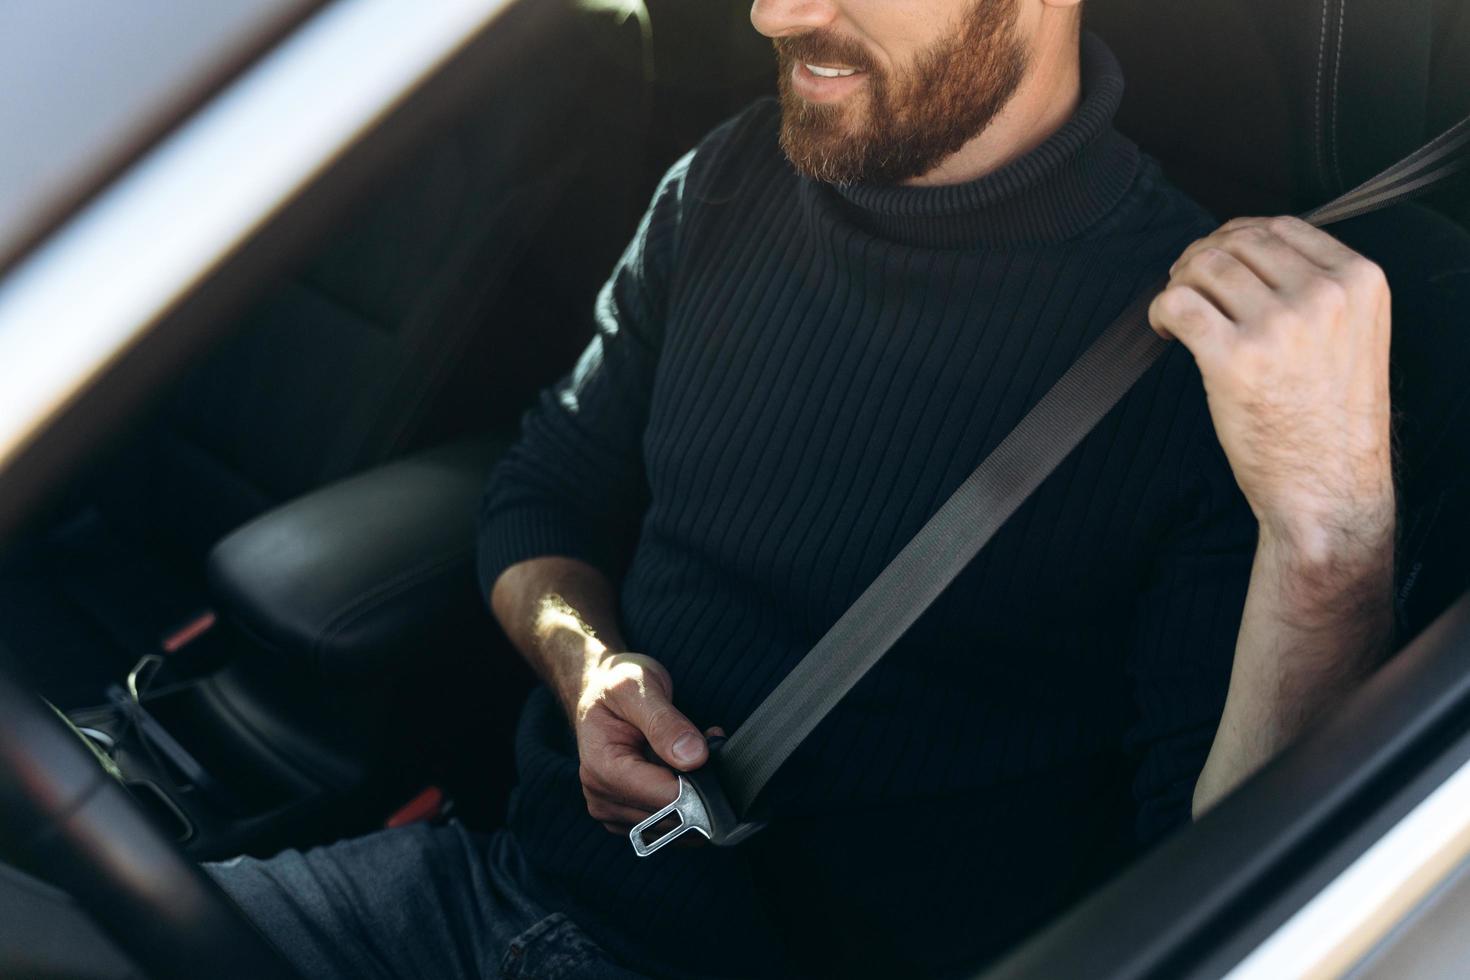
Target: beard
[[901, 126]]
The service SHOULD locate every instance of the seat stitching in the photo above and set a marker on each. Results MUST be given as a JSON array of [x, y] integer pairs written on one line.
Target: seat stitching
[[1337, 93], [392, 588], [1448, 274], [1317, 98]]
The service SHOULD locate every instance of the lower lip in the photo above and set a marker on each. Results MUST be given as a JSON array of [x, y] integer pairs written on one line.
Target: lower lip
[[815, 88]]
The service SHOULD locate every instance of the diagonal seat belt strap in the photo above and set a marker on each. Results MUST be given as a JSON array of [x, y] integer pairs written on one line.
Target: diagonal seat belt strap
[[966, 522], [940, 551], [1432, 163]]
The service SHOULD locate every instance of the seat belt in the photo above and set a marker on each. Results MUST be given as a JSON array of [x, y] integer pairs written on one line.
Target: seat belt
[[716, 799]]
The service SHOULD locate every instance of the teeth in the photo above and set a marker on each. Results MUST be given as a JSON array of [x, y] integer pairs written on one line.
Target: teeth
[[821, 72]]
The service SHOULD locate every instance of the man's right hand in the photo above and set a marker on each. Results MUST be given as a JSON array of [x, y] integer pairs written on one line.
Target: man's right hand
[[624, 710], [561, 615]]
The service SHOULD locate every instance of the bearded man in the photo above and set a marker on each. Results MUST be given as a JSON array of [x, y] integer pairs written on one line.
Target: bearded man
[[835, 308]]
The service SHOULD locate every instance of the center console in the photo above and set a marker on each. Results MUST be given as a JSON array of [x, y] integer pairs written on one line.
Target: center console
[[346, 656]]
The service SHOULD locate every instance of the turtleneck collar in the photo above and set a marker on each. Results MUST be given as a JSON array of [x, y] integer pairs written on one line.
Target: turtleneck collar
[[1053, 193]]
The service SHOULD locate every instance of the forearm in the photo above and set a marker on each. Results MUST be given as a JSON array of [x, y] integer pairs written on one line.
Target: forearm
[[1317, 621], [561, 614]]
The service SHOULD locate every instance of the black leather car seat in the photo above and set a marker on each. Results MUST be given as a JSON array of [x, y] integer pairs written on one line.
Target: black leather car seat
[[1260, 106], [466, 285], [710, 64], [457, 287], [346, 364]]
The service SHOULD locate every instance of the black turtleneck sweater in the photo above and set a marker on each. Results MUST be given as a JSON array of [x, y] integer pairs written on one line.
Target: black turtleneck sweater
[[788, 378]]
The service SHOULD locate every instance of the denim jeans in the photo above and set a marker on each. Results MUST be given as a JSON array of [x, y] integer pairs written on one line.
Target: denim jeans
[[422, 902]]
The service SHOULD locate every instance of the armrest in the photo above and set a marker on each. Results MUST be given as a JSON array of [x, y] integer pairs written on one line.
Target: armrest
[[353, 579]]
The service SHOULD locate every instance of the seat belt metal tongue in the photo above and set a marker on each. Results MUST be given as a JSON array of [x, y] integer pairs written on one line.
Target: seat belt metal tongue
[[701, 807]]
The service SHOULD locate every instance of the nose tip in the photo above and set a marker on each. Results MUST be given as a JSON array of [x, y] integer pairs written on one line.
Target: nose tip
[[783, 18]]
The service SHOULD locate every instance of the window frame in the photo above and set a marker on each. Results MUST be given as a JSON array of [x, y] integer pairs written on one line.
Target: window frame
[[1218, 892], [62, 392]]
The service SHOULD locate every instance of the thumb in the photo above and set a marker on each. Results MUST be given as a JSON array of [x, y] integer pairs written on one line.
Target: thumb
[[671, 736]]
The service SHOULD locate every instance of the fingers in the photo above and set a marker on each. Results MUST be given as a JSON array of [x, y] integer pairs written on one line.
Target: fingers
[[622, 804], [671, 735], [611, 814], [608, 812], [622, 787], [1281, 250], [1276, 261], [622, 790], [1183, 313], [628, 735], [614, 769], [1227, 282], [1312, 242], [1290, 330], [1248, 272]]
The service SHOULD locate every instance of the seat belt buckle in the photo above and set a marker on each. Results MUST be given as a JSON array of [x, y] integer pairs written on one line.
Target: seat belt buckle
[[701, 807]]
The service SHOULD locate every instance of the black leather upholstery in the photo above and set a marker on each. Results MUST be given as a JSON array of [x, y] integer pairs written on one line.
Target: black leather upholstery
[[353, 580], [1428, 267], [459, 286], [426, 311], [710, 64], [1272, 106]]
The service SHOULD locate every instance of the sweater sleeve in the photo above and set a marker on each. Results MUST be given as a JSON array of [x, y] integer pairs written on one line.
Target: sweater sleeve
[[574, 484], [1186, 623]]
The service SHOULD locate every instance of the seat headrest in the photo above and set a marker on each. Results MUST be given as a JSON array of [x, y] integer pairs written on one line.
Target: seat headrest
[[1258, 106]]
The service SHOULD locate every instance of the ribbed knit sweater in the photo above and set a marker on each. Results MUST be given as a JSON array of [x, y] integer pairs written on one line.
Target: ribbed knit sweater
[[787, 379]]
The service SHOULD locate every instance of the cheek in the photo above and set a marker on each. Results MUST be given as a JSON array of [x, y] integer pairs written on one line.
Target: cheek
[[1028, 20], [897, 31]]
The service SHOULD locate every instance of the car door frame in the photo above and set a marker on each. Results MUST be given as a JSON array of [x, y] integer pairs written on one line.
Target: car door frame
[[1308, 867]]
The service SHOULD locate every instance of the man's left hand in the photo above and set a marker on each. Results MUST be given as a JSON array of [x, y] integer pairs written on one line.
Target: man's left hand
[[1290, 329]]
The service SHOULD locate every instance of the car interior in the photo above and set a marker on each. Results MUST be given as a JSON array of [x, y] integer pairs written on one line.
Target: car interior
[[258, 600]]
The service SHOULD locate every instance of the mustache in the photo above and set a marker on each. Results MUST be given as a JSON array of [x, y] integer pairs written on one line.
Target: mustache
[[820, 47]]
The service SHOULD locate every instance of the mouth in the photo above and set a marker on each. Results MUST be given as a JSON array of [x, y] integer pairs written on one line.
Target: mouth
[[819, 83], [824, 71]]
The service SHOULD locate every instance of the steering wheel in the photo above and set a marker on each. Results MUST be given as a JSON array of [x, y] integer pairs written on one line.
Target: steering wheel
[[66, 817]]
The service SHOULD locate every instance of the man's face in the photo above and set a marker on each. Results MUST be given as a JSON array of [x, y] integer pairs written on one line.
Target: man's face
[[881, 91]]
